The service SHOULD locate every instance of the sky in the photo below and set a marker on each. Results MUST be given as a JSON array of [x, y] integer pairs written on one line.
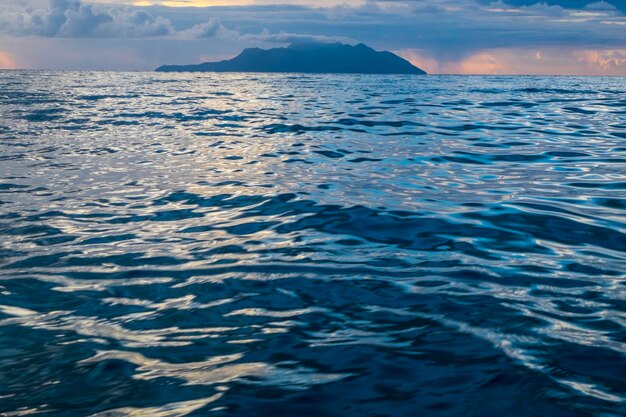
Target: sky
[[563, 37]]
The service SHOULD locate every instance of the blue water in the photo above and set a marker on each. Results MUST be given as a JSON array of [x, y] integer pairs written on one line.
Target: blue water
[[293, 245]]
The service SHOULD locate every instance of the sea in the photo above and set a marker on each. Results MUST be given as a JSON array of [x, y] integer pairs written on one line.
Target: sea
[[290, 245]]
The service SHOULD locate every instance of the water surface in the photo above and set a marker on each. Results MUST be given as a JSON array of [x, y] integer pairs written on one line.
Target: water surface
[[294, 245]]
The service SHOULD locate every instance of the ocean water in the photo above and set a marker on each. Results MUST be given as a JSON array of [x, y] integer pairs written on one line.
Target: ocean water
[[294, 245]]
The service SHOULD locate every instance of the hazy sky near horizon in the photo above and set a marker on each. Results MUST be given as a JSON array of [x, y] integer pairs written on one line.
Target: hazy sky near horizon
[[442, 36]]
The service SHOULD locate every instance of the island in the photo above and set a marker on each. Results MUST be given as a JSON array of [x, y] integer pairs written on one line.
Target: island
[[336, 58]]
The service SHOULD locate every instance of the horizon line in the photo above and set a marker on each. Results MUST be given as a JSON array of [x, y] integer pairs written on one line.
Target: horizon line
[[314, 73]]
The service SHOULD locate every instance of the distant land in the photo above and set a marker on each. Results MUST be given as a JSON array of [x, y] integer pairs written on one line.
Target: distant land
[[308, 58]]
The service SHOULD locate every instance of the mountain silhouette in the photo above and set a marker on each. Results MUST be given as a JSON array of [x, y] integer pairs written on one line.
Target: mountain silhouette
[[308, 58]]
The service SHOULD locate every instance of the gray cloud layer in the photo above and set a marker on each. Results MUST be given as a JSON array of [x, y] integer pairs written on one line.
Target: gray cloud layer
[[444, 30], [71, 18], [75, 19]]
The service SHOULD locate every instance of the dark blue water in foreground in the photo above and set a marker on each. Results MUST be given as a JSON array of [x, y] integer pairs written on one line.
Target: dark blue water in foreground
[[279, 245]]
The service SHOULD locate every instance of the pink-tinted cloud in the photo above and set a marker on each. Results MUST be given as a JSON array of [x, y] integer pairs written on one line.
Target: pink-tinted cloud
[[609, 62], [486, 62], [7, 61], [546, 61], [483, 63]]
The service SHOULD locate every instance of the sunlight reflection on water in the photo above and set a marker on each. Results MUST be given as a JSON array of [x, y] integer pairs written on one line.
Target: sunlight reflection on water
[[255, 245]]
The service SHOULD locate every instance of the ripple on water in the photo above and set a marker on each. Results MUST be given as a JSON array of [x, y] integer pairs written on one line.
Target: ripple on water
[[255, 245]]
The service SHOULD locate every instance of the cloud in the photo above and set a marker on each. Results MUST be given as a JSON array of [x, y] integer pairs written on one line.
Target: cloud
[[447, 35], [74, 19], [7, 61], [485, 62], [566, 4], [524, 61], [266, 36], [606, 61], [211, 29], [600, 5]]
